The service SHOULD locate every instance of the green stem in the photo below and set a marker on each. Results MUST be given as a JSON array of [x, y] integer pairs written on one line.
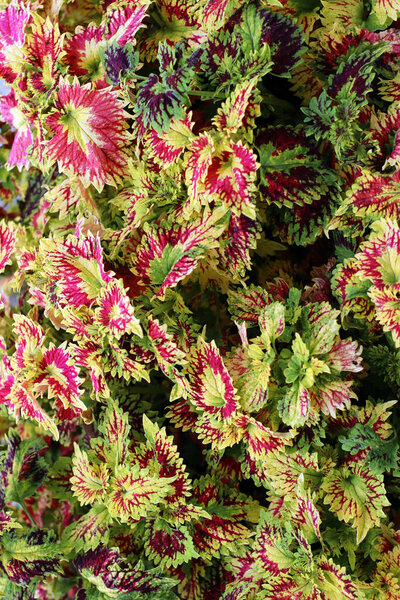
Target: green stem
[[28, 514], [205, 94]]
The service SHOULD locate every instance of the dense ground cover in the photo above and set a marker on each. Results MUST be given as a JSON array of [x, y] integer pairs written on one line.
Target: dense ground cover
[[200, 300]]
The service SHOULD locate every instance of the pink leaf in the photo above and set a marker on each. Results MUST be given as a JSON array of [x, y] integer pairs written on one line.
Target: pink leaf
[[89, 134]]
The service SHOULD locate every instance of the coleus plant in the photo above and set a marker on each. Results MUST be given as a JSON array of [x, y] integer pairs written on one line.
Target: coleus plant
[[200, 300]]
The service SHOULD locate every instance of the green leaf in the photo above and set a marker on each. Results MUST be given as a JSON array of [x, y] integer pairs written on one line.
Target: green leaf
[[384, 456], [251, 28], [360, 437], [28, 472]]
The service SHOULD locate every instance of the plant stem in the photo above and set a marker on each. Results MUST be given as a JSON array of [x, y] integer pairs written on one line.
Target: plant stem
[[28, 514]]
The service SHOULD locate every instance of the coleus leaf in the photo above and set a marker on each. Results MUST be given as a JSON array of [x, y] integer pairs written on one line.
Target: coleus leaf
[[60, 475], [231, 115], [13, 441], [7, 244], [158, 102], [190, 36], [59, 377], [272, 321], [119, 62], [115, 427], [167, 147], [382, 455], [167, 255], [83, 51], [13, 22], [220, 434], [211, 387], [217, 535], [323, 327], [198, 161], [360, 437], [168, 355], [334, 116], [121, 363], [27, 469], [230, 179], [124, 20], [373, 196], [383, 9], [246, 304], [168, 545], [389, 89], [89, 481], [90, 531], [241, 52], [349, 16], [44, 51], [88, 355], [160, 456], [382, 143], [272, 545], [380, 357], [386, 580], [13, 114], [356, 496], [221, 170], [277, 29], [24, 403], [242, 235], [330, 581], [70, 199], [89, 134], [29, 374], [250, 369], [320, 117], [260, 441], [285, 568], [379, 256], [134, 493], [79, 265], [29, 340], [293, 175], [251, 44], [328, 397], [304, 16], [7, 523], [345, 355], [378, 264], [333, 579], [79, 322], [106, 570], [115, 313], [386, 310], [162, 98], [306, 514], [294, 406], [213, 14], [285, 470], [352, 290], [30, 556]]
